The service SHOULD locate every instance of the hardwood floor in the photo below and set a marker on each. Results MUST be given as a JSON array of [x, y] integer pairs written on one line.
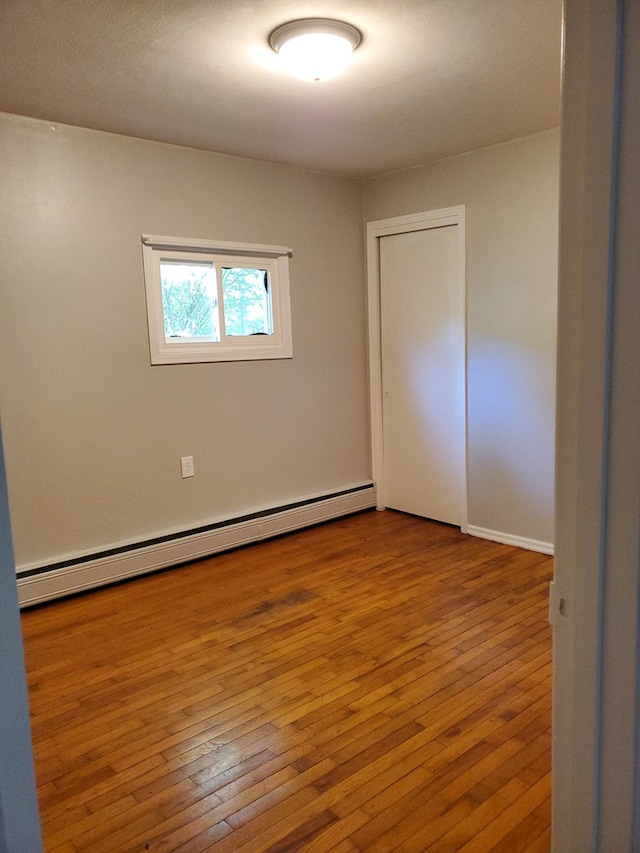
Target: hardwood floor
[[380, 683]]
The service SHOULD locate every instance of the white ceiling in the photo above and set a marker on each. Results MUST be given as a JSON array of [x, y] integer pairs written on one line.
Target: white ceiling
[[431, 78]]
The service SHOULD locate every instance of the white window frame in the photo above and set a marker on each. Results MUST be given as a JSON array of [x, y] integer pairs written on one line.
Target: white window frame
[[275, 259]]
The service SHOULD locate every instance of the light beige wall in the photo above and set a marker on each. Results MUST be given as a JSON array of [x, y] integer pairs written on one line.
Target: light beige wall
[[94, 434], [511, 196]]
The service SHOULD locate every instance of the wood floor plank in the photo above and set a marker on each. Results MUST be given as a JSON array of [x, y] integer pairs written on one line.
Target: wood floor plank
[[527, 832], [336, 836], [500, 825], [378, 683]]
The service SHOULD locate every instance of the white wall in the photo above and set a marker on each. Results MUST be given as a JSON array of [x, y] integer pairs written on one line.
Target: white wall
[[511, 196], [93, 433]]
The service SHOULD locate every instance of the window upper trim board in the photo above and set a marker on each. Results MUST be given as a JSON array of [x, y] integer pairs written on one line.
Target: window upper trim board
[[179, 244]]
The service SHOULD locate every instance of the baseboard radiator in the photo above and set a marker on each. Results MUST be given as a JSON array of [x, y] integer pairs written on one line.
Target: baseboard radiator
[[38, 583]]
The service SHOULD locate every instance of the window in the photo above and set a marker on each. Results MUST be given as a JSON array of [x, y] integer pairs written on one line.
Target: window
[[211, 301]]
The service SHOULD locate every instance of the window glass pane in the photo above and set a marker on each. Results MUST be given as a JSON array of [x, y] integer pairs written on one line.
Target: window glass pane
[[189, 301], [247, 304]]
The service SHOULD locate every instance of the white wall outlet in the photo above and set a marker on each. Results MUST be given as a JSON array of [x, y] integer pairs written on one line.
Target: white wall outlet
[[186, 466]]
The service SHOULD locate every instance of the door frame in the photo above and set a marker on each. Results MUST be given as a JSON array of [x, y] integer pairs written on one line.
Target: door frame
[[383, 228]]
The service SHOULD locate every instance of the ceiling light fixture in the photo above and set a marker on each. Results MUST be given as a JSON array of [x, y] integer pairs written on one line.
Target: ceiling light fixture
[[315, 48]]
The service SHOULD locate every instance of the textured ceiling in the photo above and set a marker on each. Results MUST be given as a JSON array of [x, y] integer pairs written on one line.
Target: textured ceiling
[[431, 78]]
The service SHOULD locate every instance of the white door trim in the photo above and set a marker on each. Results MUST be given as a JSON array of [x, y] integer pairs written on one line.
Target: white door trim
[[375, 230]]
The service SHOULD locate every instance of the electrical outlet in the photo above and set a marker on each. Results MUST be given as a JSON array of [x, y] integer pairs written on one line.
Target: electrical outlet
[[186, 466]]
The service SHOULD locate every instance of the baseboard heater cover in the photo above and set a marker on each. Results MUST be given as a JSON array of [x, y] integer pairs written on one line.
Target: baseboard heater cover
[[40, 583]]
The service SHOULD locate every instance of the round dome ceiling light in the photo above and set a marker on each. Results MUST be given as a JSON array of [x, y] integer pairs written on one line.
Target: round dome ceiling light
[[315, 48]]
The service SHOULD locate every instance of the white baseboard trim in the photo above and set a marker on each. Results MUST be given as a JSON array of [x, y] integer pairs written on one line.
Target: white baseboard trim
[[508, 539], [42, 582]]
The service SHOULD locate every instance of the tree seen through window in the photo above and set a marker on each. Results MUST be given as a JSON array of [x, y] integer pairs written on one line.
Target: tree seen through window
[[190, 302], [246, 301]]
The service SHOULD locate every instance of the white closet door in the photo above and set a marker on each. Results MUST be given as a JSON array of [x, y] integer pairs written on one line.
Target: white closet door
[[423, 373]]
